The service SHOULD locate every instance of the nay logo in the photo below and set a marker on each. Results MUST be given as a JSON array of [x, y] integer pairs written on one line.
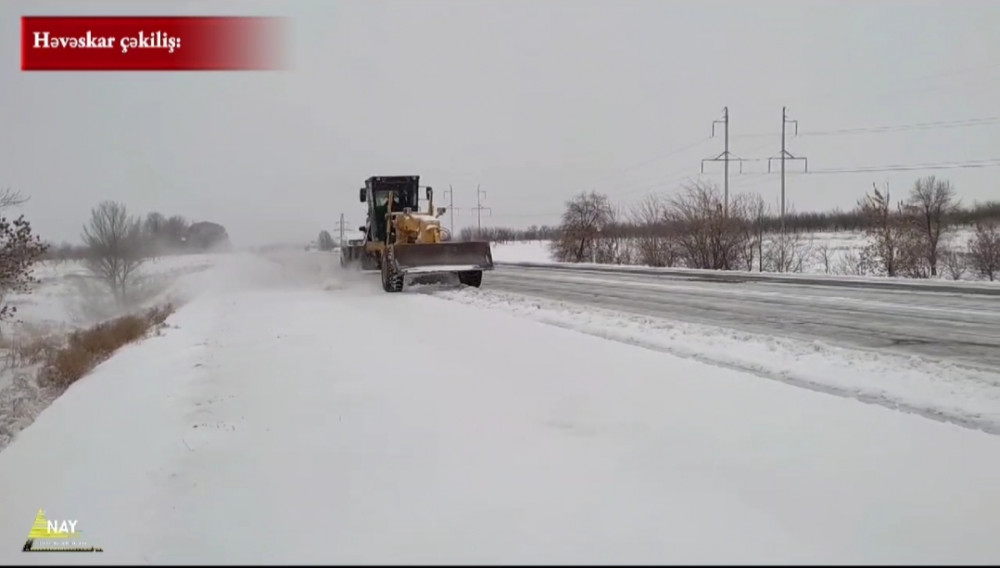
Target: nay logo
[[56, 536]]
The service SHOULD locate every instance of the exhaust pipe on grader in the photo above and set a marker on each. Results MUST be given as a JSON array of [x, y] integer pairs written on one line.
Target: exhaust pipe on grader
[[400, 240]]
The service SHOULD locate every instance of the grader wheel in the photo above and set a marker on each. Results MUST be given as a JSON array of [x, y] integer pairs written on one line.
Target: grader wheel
[[472, 278], [391, 280]]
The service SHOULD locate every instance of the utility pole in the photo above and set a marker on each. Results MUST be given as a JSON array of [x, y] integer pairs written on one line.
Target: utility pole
[[785, 155], [451, 208], [725, 158], [479, 211], [340, 225]]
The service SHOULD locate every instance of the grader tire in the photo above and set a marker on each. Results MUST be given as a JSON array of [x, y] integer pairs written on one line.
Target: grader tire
[[472, 278], [391, 281]]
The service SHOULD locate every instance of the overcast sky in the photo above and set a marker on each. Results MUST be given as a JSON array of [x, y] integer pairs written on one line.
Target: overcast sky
[[535, 100]]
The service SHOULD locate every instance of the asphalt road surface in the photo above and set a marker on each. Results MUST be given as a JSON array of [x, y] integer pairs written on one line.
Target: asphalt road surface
[[958, 327]]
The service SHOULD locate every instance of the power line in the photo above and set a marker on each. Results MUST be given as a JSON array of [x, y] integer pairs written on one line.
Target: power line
[[656, 181], [677, 176], [530, 215], [764, 176], [669, 154], [649, 161], [987, 163], [983, 121], [652, 184], [833, 93], [666, 179], [986, 121], [749, 181]]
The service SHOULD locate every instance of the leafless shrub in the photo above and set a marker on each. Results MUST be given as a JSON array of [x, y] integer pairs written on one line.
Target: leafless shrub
[[19, 251], [754, 211], [893, 246], [984, 250], [654, 244], [853, 263], [706, 237], [912, 258], [823, 256], [955, 262], [86, 348], [115, 247], [585, 217], [26, 347], [787, 252], [44, 365], [931, 205], [612, 244], [21, 400]]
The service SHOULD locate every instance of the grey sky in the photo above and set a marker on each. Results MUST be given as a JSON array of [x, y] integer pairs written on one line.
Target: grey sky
[[535, 100]]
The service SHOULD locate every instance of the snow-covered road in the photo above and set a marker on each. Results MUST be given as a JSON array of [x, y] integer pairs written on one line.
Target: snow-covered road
[[280, 422], [959, 327]]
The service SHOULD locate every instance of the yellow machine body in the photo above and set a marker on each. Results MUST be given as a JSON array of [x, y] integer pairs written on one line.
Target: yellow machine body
[[406, 241]]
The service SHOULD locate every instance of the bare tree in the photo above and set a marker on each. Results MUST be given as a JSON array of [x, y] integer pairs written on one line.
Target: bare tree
[[115, 246], [154, 224], [613, 245], [153, 234], [654, 246], [175, 232], [757, 213], [984, 250], [891, 235], [11, 198], [931, 203], [19, 251], [823, 255], [585, 217]]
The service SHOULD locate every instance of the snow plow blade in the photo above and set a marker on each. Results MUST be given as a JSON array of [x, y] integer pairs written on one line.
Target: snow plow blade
[[443, 257]]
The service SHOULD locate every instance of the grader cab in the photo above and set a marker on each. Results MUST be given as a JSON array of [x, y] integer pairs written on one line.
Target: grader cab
[[400, 240]]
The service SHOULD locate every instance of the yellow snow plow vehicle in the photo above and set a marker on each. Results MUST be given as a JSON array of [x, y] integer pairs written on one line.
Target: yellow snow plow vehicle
[[400, 240]]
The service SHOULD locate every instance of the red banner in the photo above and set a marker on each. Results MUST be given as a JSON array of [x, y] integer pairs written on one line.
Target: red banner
[[170, 43]]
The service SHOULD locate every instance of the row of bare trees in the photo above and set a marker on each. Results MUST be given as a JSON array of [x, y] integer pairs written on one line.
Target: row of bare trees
[[910, 237], [807, 221], [691, 229], [155, 235], [914, 237], [506, 235], [115, 243]]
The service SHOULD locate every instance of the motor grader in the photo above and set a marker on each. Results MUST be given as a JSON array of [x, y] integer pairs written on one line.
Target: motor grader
[[400, 240]]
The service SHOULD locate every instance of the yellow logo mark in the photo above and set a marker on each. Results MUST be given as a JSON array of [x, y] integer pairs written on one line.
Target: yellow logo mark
[[58, 535]]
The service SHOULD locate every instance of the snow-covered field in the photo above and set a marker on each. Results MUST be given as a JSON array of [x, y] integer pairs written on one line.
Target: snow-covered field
[[67, 298], [522, 251], [292, 413]]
